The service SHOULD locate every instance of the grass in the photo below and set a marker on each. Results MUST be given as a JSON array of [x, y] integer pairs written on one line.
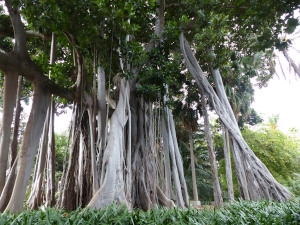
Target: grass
[[240, 212]]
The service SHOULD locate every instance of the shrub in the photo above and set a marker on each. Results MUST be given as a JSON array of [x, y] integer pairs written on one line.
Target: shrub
[[240, 212]]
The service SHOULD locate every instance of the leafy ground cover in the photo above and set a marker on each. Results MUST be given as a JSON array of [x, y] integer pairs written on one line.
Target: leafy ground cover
[[240, 212]]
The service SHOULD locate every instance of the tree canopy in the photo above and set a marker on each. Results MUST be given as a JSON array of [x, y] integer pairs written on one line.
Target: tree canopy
[[124, 65]]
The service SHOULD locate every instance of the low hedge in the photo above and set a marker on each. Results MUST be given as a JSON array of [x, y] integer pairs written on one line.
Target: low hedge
[[239, 212]]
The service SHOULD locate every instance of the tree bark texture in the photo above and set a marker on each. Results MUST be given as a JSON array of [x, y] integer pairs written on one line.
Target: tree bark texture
[[144, 174], [268, 187], [113, 187], [28, 148], [228, 164], [9, 186], [212, 157], [77, 190], [167, 165], [50, 190], [35, 198], [195, 191], [9, 101], [14, 143], [102, 111]]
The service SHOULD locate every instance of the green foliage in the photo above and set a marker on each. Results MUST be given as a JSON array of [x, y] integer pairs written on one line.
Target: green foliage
[[161, 67], [61, 142], [294, 184], [278, 151], [240, 212], [203, 171]]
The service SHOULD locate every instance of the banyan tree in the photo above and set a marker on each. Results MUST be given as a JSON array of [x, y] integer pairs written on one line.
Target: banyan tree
[[120, 64]]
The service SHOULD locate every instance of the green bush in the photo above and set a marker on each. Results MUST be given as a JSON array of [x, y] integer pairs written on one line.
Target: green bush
[[240, 212]]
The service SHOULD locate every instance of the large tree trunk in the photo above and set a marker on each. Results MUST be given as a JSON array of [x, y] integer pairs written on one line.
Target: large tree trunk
[[9, 101], [264, 182], [212, 157], [77, 190], [113, 187], [14, 143], [29, 146], [144, 174], [35, 198], [102, 123]]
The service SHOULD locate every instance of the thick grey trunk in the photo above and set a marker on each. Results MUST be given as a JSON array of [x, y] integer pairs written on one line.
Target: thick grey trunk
[[102, 110], [240, 171], [35, 198], [28, 148], [77, 189], [113, 187], [212, 157], [9, 101]]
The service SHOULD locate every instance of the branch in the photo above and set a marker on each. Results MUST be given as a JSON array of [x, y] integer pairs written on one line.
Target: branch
[[19, 32], [28, 33], [291, 62], [32, 33], [27, 68], [235, 7], [190, 26], [160, 20], [172, 5], [185, 145], [68, 94], [4, 59]]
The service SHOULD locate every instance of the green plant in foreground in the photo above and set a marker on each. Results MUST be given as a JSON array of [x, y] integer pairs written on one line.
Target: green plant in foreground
[[239, 212]]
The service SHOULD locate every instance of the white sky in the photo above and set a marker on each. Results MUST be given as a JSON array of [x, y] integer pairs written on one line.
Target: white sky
[[282, 95]]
